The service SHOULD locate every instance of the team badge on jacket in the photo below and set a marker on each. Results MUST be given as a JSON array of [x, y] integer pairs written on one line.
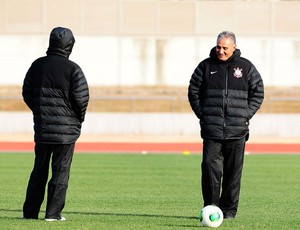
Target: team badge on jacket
[[238, 72]]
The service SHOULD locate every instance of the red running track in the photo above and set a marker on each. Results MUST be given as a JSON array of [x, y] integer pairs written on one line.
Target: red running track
[[98, 147]]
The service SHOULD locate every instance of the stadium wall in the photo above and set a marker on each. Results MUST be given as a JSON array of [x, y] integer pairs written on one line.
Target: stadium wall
[[262, 125], [153, 42], [134, 61]]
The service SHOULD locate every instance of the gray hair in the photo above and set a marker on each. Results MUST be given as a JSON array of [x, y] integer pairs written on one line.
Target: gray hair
[[227, 34]]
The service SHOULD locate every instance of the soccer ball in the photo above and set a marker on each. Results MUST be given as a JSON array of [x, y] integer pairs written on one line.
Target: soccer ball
[[211, 216]]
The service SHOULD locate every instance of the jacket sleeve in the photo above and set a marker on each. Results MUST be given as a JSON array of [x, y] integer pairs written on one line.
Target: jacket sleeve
[[27, 90], [194, 91], [256, 91], [79, 94]]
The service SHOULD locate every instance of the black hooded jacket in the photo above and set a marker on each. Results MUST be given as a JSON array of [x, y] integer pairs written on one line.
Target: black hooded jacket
[[56, 91], [225, 96]]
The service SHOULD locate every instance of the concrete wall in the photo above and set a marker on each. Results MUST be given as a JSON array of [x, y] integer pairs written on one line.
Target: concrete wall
[[151, 17], [127, 61], [277, 125], [151, 42]]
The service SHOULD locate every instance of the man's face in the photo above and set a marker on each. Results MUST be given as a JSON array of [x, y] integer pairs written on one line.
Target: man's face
[[225, 48]]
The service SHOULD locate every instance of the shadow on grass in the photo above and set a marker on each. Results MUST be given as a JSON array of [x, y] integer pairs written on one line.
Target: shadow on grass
[[132, 214], [108, 214]]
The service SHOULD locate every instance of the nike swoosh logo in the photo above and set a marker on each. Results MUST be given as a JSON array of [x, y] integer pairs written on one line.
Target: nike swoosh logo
[[213, 72]]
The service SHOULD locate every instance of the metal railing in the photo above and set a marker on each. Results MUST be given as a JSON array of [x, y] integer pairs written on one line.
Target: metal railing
[[150, 103]]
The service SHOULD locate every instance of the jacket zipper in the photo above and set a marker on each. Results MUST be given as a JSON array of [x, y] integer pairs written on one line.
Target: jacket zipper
[[225, 99]]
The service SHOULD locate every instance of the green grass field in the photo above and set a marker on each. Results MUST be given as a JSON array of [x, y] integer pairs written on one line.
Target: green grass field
[[121, 191]]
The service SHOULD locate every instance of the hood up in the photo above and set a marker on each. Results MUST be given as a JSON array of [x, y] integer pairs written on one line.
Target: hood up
[[61, 42]]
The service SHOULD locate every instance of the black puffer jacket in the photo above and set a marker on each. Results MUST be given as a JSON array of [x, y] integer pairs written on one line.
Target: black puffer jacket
[[56, 91], [225, 96]]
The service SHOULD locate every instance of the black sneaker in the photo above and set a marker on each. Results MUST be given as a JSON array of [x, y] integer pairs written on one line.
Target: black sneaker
[[229, 216]]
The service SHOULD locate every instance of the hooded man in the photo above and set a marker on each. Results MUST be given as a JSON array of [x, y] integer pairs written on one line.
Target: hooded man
[[56, 91]]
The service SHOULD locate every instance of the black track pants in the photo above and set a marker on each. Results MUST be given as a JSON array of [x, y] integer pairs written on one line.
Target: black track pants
[[222, 160], [57, 187]]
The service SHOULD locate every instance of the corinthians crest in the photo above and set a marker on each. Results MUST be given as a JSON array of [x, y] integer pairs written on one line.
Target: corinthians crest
[[238, 72]]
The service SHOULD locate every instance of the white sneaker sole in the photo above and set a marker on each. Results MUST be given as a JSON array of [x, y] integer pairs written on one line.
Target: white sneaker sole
[[50, 220]]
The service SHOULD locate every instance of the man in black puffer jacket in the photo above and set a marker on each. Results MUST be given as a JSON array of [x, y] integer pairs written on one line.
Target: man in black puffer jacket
[[225, 92], [56, 91]]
